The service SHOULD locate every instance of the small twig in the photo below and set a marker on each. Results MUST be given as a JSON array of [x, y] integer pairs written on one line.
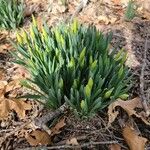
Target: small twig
[[88, 144], [2, 139], [81, 5], [79, 138], [40, 122], [142, 95]]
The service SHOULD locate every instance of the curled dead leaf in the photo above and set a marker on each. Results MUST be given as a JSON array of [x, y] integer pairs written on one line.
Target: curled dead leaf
[[38, 137], [56, 129], [134, 141], [129, 106]]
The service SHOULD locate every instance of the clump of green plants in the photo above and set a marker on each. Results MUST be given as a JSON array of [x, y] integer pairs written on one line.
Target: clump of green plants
[[72, 63], [130, 12], [11, 13]]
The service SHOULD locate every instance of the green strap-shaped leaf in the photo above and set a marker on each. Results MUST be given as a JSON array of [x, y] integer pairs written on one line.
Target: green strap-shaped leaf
[[108, 93]]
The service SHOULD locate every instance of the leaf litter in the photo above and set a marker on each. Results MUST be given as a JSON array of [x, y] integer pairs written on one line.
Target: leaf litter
[[38, 137], [129, 107], [7, 105]]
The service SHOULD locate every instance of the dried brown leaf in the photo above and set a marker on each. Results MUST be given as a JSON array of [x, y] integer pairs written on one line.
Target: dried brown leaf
[[115, 147], [72, 141], [38, 137], [2, 74], [5, 47], [4, 108], [13, 85], [56, 129], [3, 83], [19, 106], [19, 73], [2, 88], [134, 141], [129, 106], [7, 105]]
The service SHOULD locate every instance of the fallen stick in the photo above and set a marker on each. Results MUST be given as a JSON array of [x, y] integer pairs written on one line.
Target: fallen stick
[[142, 94], [40, 122], [88, 144]]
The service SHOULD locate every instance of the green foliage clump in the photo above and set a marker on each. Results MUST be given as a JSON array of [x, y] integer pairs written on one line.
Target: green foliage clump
[[11, 13], [130, 12], [72, 63]]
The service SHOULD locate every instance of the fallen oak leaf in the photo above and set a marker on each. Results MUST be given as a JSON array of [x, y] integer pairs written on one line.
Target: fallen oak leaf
[[12, 88], [8, 86], [19, 106], [38, 137], [129, 106], [134, 141], [56, 129], [14, 84], [7, 105]]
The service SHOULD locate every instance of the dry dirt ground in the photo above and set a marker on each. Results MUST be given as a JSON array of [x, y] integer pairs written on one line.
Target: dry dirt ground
[[131, 128]]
